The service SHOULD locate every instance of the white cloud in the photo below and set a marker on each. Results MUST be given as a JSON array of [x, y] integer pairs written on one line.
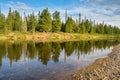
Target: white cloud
[[19, 5], [23, 6]]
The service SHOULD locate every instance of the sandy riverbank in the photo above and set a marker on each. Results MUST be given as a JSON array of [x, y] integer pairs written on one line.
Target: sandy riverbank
[[102, 69]]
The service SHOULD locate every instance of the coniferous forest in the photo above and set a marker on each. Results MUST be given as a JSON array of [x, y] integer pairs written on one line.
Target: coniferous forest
[[47, 22]]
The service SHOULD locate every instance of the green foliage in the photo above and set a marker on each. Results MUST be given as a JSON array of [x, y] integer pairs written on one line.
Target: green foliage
[[2, 22], [45, 21], [77, 27], [70, 25], [17, 21], [32, 22], [87, 25], [9, 21], [83, 29], [56, 23], [63, 27]]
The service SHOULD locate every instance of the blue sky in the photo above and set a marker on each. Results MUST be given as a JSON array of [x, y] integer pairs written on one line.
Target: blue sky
[[99, 10]]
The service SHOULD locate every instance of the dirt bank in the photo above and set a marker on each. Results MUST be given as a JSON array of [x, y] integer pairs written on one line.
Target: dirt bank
[[102, 69]]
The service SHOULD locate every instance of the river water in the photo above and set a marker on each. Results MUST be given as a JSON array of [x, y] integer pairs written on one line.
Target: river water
[[49, 60]]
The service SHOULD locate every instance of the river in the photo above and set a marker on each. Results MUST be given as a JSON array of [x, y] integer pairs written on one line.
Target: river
[[49, 60]]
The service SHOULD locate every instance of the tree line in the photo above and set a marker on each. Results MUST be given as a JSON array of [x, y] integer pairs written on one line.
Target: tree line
[[47, 22]]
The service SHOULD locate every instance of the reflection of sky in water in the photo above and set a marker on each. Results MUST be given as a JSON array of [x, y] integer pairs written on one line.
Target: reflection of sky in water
[[28, 67], [34, 69]]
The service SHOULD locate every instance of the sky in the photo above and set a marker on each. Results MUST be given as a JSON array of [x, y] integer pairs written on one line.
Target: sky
[[98, 10]]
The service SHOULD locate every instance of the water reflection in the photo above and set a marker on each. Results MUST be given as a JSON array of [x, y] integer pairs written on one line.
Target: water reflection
[[45, 52]]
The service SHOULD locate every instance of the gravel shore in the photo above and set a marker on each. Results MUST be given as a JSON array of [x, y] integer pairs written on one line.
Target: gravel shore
[[102, 69]]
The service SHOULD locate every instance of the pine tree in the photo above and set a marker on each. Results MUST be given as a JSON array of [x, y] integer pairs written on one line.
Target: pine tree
[[2, 22], [9, 21], [17, 21], [32, 23], [45, 21], [87, 26], [56, 23], [70, 25], [101, 28], [83, 29]]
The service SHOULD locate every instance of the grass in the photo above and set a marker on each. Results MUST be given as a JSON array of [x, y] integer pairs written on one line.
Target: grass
[[53, 36]]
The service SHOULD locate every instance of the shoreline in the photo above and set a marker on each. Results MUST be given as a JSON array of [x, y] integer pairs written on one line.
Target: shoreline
[[53, 37], [102, 69]]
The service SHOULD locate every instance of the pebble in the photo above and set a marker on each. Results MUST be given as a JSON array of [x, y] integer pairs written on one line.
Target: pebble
[[106, 69]]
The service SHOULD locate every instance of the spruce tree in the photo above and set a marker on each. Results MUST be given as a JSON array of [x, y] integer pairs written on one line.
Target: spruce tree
[[32, 22], [56, 23], [83, 29], [9, 21], [2, 22], [45, 21], [87, 26], [70, 25], [17, 21]]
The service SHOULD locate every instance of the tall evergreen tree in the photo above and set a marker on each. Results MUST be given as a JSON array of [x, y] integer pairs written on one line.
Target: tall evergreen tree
[[70, 25], [83, 29], [32, 22], [45, 21], [2, 22], [87, 25], [9, 21], [17, 21], [56, 23], [101, 28]]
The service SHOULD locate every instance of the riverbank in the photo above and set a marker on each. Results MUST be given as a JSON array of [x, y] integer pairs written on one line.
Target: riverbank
[[102, 69], [44, 37]]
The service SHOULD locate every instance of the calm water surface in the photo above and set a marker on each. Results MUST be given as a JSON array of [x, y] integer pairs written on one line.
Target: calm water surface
[[49, 61]]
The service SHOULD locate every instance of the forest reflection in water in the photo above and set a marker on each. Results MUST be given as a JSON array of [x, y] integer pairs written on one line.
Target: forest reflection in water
[[46, 53]]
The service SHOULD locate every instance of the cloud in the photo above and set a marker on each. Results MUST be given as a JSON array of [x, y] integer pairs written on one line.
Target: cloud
[[84, 0], [114, 5], [23, 6], [19, 5], [106, 2]]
